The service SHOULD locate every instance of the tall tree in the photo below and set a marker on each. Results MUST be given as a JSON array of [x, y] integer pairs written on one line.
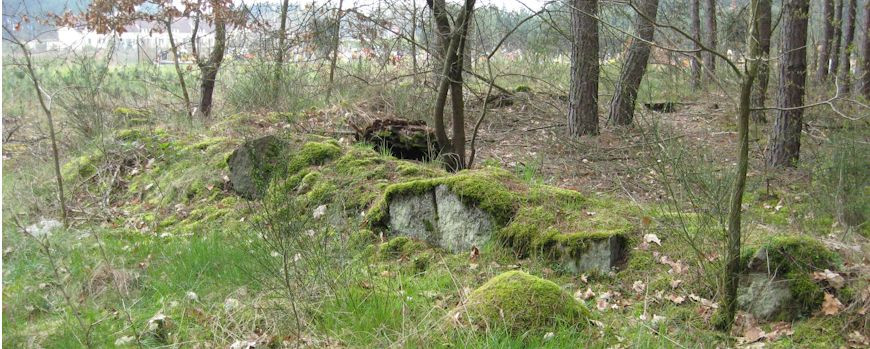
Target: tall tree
[[735, 206], [848, 30], [710, 27], [838, 36], [336, 37], [282, 42], [451, 81], [441, 35], [624, 97], [784, 145], [211, 66], [865, 55], [695, 9], [583, 96], [762, 33], [827, 40]]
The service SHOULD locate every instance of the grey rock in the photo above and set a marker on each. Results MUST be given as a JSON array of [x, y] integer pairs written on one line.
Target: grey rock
[[253, 164], [460, 225], [764, 296], [415, 216], [601, 255], [440, 218]]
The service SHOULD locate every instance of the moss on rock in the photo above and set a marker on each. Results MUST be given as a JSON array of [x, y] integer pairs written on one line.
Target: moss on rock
[[518, 302], [313, 153]]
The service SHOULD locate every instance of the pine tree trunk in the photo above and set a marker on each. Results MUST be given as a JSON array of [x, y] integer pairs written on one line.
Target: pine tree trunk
[[625, 95], [759, 90], [838, 35], [848, 30], [695, 9], [784, 145], [710, 27], [865, 56], [583, 96], [824, 61]]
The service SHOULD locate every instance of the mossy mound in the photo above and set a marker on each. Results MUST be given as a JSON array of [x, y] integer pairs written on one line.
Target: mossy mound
[[518, 303], [533, 219], [789, 260]]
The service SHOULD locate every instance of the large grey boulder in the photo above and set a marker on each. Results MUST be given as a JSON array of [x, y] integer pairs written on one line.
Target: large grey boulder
[[601, 255], [765, 296], [441, 218], [253, 164]]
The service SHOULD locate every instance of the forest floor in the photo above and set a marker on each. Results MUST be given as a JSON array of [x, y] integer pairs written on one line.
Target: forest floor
[[179, 287]]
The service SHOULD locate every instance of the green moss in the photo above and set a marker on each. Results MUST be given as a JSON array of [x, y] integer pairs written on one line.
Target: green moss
[[129, 113], [313, 153], [518, 303], [808, 296], [523, 88], [320, 193], [400, 247], [208, 142], [484, 188], [786, 253], [363, 237], [82, 167]]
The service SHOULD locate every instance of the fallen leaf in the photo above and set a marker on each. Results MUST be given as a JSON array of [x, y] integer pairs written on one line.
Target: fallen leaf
[[676, 283], [584, 295], [638, 287], [753, 334], [858, 339], [549, 336], [834, 279], [648, 238], [601, 304], [475, 254], [319, 211], [831, 305], [676, 299]]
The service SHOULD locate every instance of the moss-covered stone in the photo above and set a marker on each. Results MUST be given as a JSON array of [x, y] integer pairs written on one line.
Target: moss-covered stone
[[518, 303], [313, 153], [400, 247]]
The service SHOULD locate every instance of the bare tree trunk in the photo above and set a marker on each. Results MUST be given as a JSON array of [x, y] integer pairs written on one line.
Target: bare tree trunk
[[865, 56], [210, 67], [583, 96], [695, 9], [334, 60], [735, 207], [784, 145], [838, 36], [710, 26], [441, 34], [46, 108], [413, 36], [282, 42], [178, 71], [452, 81], [848, 30], [824, 60], [759, 91], [625, 95]]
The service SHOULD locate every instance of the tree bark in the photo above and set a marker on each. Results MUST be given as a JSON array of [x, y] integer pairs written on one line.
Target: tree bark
[[583, 96], [451, 81], [784, 145], [335, 45], [625, 95], [865, 56], [824, 60], [710, 26], [210, 68], [695, 9], [282, 39], [848, 30], [838, 35], [178, 72], [759, 90], [735, 207], [441, 34]]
